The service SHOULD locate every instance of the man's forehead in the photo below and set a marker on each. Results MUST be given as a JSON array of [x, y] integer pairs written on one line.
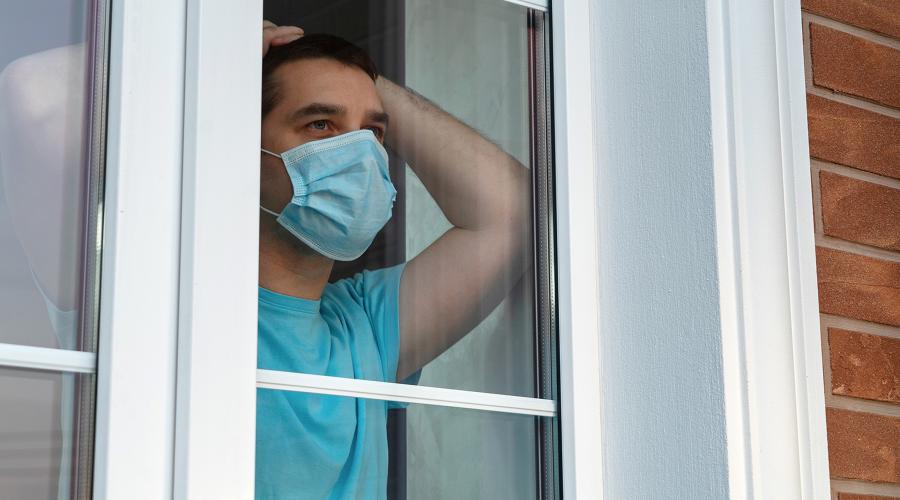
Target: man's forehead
[[325, 80]]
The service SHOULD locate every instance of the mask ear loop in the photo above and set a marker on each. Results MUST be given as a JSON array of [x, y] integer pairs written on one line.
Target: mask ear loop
[[264, 209]]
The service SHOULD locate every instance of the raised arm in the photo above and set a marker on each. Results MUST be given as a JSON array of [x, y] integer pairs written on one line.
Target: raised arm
[[41, 160], [459, 279]]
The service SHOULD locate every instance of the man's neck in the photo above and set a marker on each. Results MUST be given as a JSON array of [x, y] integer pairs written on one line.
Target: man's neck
[[285, 269]]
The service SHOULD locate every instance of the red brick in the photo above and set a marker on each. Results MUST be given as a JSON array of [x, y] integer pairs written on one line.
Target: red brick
[[858, 287], [857, 496], [863, 446], [854, 137], [860, 211], [881, 16], [854, 65], [864, 366]]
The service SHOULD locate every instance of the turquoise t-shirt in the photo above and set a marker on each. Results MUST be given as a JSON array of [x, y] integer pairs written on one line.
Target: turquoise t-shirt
[[311, 446]]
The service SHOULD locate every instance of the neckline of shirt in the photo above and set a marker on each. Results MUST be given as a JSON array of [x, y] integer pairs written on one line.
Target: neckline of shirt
[[288, 302]]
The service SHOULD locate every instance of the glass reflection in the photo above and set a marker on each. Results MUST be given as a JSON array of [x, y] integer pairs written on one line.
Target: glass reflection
[[46, 162], [44, 131]]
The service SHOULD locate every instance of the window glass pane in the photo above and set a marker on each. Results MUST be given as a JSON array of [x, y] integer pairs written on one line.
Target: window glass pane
[[440, 452], [447, 297], [38, 419], [50, 182], [453, 453], [413, 263], [496, 84], [471, 58], [52, 95]]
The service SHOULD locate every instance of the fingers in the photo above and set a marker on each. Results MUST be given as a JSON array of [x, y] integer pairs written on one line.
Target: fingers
[[272, 32], [289, 37], [274, 35]]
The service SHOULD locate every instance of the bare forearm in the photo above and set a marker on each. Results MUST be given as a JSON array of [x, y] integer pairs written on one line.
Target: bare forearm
[[450, 286], [476, 184]]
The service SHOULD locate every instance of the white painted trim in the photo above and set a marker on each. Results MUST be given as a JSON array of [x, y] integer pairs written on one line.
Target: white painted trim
[[139, 283], [771, 346], [216, 395], [578, 257], [801, 248], [541, 5], [734, 373], [385, 391], [45, 358]]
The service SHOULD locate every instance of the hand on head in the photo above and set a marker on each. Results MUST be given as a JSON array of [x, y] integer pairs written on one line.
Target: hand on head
[[274, 35]]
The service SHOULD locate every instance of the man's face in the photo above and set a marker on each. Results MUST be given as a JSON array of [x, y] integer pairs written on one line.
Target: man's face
[[318, 98]]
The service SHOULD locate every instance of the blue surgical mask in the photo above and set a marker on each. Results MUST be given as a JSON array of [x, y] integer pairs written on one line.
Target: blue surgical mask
[[343, 193]]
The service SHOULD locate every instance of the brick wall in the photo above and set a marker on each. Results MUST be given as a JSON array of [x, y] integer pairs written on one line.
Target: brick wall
[[853, 84]]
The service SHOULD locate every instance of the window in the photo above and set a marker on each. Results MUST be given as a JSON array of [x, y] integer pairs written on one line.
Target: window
[[174, 321], [177, 289], [486, 64], [52, 98]]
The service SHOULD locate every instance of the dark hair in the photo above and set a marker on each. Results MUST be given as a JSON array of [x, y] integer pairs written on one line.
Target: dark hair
[[315, 46]]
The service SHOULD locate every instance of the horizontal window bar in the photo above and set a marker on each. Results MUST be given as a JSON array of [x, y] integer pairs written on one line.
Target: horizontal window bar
[[541, 5], [45, 358], [369, 389]]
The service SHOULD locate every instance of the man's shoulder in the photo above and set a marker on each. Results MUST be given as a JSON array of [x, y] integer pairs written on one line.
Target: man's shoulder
[[368, 281], [366, 287], [38, 84]]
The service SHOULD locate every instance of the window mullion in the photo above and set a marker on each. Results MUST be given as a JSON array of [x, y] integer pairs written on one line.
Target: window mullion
[[385, 391], [45, 358], [577, 232], [139, 283], [216, 392]]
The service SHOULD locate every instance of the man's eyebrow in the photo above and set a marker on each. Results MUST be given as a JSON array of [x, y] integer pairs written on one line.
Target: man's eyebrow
[[378, 117], [317, 108]]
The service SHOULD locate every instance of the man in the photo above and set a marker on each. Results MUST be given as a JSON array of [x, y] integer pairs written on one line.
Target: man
[[324, 194]]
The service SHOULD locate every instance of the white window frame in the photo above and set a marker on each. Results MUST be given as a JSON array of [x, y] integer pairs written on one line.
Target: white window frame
[[775, 406], [135, 423], [216, 400], [577, 238], [167, 379]]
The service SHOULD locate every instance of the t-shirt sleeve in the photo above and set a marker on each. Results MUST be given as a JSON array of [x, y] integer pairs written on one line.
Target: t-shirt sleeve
[[64, 323], [381, 300]]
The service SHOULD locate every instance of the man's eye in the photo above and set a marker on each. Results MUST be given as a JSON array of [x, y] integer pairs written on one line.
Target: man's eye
[[319, 125], [379, 132]]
